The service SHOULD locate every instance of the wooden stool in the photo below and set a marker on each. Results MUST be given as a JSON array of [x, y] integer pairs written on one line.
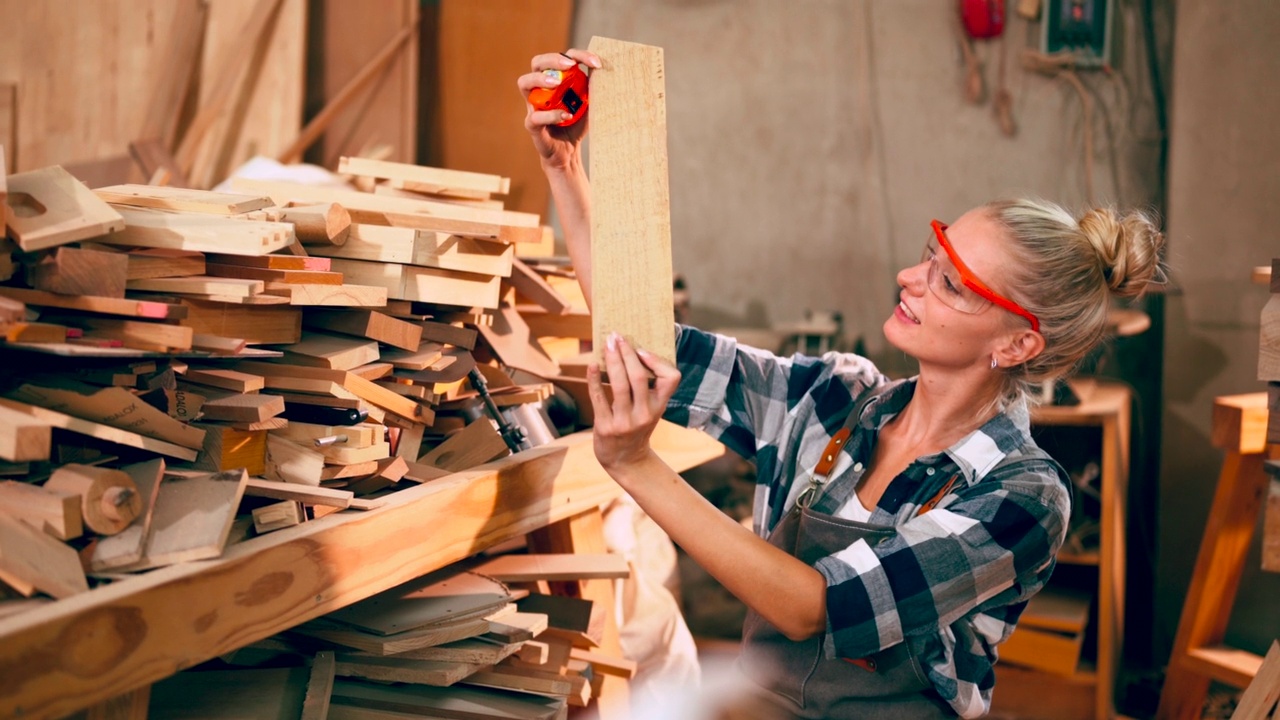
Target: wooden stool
[[1240, 429]]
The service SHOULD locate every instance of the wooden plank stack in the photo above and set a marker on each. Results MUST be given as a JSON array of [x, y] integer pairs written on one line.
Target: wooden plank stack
[[188, 369]]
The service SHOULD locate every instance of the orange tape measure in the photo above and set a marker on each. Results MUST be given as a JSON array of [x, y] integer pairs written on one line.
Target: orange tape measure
[[570, 95]]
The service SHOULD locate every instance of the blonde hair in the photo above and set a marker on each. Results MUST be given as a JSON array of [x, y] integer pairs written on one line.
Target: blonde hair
[[1065, 272]]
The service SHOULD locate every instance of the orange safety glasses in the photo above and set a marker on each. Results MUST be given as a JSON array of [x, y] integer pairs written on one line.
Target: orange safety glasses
[[952, 282]]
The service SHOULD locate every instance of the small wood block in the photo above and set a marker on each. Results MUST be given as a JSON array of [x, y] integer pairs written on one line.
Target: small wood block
[[193, 517], [201, 285], [367, 324], [76, 271], [316, 704], [31, 560], [36, 333], [290, 462], [109, 499], [357, 436], [277, 516], [162, 263], [425, 356], [227, 448], [630, 214], [605, 663], [49, 207], [181, 199], [290, 277], [425, 248], [331, 351], [345, 295], [477, 444], [320, 224], [244, 408], [439, 332], [255, 325], [49, 510], [23, 438], [307, 495], [555, 567], [518, 627], [534, 652], [1240, 422], [225, 379]]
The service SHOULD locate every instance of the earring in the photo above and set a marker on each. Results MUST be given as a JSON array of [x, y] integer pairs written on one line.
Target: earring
[[993, 362]]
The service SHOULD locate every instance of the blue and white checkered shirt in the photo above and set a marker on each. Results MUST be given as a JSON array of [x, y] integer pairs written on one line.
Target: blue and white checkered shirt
[[952, 581]]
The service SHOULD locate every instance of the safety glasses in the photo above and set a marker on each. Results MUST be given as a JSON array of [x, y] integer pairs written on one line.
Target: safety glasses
[[952, 282]]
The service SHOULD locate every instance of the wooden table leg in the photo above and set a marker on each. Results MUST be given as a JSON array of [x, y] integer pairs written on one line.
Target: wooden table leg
[[1219, 566], [584, 533]]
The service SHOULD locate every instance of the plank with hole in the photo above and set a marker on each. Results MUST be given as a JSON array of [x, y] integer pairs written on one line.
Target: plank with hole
[[49, 207]]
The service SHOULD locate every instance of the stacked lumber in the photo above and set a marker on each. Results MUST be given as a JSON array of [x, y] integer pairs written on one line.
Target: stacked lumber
[[454, 643], [244, 362], [1269, 372]]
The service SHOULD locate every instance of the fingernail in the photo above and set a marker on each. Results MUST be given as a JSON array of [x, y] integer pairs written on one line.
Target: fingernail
[[553, 76], [565, 116], [611, 342], [595, 63], [644, 353]]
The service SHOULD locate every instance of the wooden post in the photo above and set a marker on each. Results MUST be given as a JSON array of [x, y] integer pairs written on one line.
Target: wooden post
[[631, 214]]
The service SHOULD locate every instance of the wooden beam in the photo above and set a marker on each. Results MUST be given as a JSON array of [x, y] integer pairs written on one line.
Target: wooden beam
[[335, 352], [49, 207], [244, 408], [159, 263], [631, 214]]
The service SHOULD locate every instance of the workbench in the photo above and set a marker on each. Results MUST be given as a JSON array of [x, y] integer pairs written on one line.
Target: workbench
[[81, 651]]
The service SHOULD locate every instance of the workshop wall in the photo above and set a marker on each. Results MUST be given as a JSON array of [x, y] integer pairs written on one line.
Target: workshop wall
[[811, 143], [1224, 181]]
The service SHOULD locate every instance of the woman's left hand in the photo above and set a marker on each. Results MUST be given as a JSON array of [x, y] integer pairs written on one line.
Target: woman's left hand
[[623, 426]]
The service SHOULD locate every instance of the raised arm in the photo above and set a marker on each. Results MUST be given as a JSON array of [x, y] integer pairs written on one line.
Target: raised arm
[[560, 149]]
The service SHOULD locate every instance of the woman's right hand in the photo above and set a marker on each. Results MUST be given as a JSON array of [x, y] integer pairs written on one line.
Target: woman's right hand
[[557, 146]]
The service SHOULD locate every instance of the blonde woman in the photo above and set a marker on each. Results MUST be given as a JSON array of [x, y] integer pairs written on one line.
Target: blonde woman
[[899, 527]]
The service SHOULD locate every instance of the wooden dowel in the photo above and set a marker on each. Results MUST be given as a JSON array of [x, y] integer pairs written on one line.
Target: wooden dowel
[[323, 224]]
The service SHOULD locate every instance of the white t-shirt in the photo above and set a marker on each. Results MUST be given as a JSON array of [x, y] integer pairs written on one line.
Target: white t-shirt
[[853, 510]]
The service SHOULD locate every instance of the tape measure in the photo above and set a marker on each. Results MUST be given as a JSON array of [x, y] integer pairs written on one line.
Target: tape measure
[[570, 95]]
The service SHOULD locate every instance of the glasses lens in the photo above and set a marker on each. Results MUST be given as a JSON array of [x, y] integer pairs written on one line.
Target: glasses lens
[[946, 283]]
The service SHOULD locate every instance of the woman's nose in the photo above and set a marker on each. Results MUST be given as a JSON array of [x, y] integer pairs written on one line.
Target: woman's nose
[[915, 277]]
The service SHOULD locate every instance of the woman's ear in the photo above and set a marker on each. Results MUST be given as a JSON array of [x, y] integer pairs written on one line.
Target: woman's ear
[[1021, 347]]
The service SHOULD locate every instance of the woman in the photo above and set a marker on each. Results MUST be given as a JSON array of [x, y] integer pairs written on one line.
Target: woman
[[900, 527]]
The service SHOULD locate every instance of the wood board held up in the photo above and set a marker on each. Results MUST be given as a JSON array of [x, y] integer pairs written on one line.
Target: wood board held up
[[631, 213]]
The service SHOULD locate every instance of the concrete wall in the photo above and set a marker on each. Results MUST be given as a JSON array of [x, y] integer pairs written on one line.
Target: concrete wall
[[1224, 195], [811, 142]]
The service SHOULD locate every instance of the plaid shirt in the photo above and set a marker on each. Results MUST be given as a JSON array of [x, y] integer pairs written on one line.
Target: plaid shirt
[[952, 581]]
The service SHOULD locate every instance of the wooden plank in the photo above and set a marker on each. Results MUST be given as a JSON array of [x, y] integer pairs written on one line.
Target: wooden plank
[[285, 276], [406, 670], [605, 663], [553, 567], [225, 379], [160, 262], [426, 248], [49, 207], [571, 324], [410, 282], [630, 214], [304, 494], [272, 262], [359, 435], [193, 517], [31, 560], [365, 389], [442, 597], [510, 679], [319, 687], [228, 448], [513, 344], [426, 356], [1271, 529], [331, 351], [287, 578], [277, 516], [426, 176], [1269, 341], [101, 432], [48, 510], [530, 286], [325, 224], [339, 455], [463, 651], [396, 643], [477, 444], [368, 324], [127, 547], [345, 295], [112, 406], [77, 271], [145, 227], [23, 438], [356, 700], [1240, 422], [159, 337], [200, 285], [147, 309], [463, 337], [244, 408], [1260, 698], [181, 199]]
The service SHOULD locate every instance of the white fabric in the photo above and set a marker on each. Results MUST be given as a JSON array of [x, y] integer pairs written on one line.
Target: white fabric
[[854, 510]]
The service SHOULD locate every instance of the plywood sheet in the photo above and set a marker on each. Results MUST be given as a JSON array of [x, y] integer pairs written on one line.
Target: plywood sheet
[[631, 214], [436, 598]]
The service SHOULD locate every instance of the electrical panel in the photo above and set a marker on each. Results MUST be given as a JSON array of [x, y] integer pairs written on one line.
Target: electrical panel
[[1080, 27]]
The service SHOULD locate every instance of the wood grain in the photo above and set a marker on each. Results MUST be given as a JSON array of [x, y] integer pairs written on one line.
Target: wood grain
[[631, 214]]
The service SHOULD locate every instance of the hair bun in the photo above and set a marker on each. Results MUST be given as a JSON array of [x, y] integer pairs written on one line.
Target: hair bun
[[1128, 248]]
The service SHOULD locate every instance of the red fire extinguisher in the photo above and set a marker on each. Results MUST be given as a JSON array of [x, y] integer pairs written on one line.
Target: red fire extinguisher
[[982, 18]]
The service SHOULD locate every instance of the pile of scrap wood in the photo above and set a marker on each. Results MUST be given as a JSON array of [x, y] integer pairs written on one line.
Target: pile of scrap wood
[[484, 642], [198, 367]]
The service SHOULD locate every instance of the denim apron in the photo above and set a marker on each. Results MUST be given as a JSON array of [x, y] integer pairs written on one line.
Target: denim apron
[[890, 684]]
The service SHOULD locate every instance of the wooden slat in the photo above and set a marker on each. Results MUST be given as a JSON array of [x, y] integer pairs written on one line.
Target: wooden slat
[[421, 284], [145, 227], [181, 199], [345, 295], [1260, 698], [49, 207], [320, 686], [159, 262], [426, 176], [307, 495], [630, 215], [423, 247], [336, 352], [23, 438], [368, 324], [123, 307], [553, 567], [1224, 664], [101, 432]]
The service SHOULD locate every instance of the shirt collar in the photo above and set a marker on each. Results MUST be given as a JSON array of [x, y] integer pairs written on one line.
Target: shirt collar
[[976, 453]]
